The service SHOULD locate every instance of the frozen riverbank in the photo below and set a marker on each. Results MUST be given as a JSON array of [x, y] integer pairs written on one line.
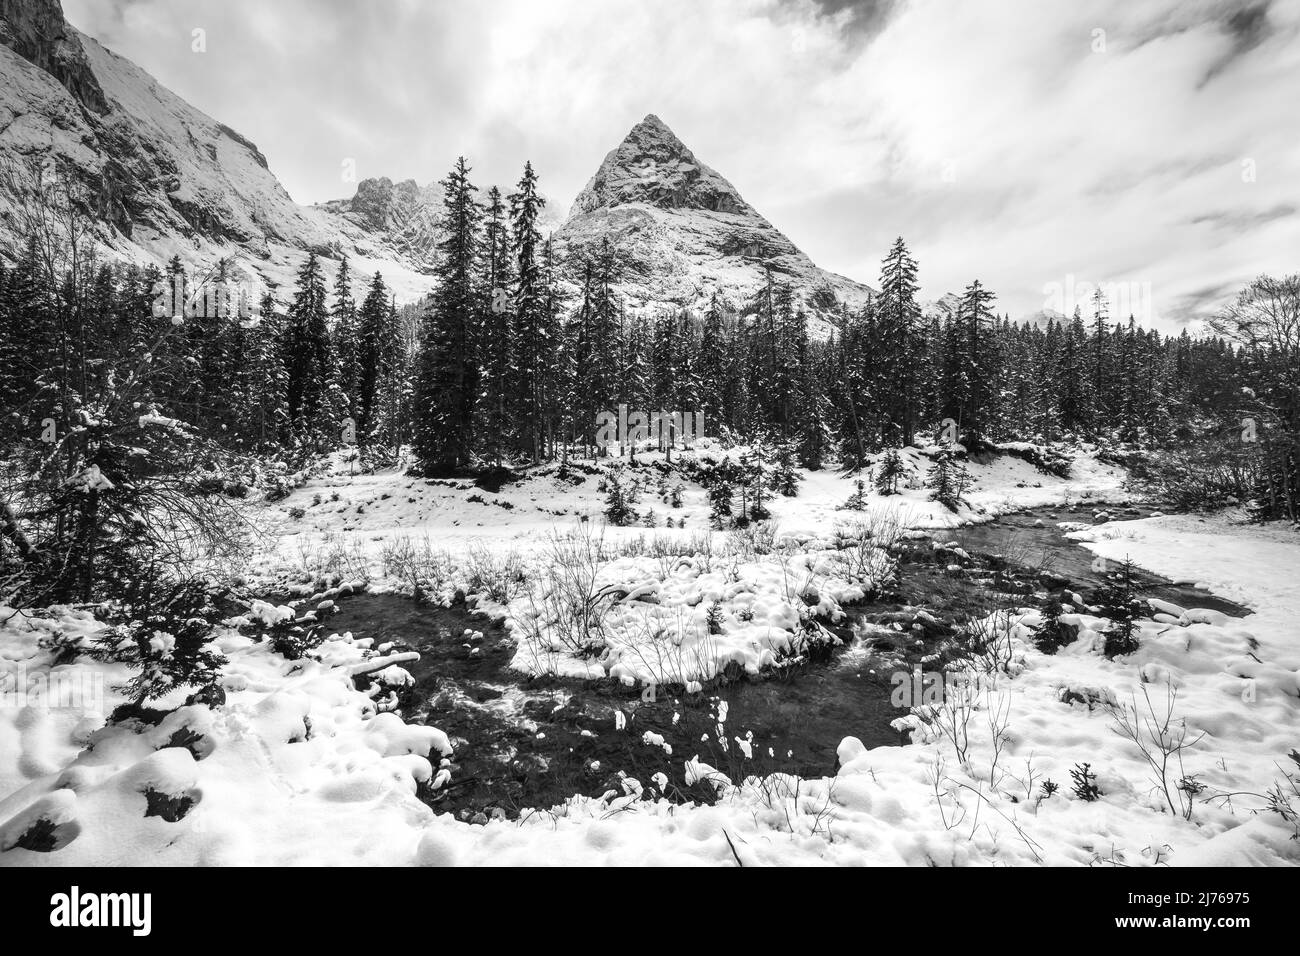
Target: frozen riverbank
[[297, 766]]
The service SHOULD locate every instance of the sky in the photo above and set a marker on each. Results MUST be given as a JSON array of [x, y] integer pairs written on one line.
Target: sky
[[1040, 146]]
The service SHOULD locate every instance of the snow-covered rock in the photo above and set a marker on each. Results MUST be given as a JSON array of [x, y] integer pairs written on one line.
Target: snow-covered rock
[[166, 179], [684, 233]]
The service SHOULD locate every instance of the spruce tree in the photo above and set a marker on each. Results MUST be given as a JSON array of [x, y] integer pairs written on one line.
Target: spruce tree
[[1102, 401], [397, 367], [554, 300], [529, 340], [972, 345], [817, 437], [1050, 634], [602, 382], [373, 341], [711, 365], [447, 378], [494, 345], [618, 498], [897, 316], [308, 359], [344, 336], [264, 374], [1075, 395], [947, 479], [1128, 381], [1118, 601], [857, 389], [888, 472]]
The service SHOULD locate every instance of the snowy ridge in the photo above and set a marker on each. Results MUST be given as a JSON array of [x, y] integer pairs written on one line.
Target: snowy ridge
[[653, 166], [168, 180], [684, 233], [165, 178]]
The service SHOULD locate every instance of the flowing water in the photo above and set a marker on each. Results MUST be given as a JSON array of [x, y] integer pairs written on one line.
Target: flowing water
[[523, 743]]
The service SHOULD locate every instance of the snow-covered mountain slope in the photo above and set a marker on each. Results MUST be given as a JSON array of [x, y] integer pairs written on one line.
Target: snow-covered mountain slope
[[405, 215], [166, 179], [163, 177], [684, 232]]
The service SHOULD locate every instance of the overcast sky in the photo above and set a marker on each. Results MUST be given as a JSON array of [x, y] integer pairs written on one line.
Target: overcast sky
[[1029, 143]]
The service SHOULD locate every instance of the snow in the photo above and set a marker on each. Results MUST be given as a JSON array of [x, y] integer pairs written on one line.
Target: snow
[[658, 633], [652, 739], [687, 234], [186, 168], [90, 479], [201, 191], [267, 772], [299, 766]]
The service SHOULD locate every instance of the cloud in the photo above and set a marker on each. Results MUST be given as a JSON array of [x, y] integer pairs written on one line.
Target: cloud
[[1248, 27], [856, 18], [1015, 142]]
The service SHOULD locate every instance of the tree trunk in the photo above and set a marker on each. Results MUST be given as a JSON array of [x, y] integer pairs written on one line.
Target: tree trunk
[[12, 533]]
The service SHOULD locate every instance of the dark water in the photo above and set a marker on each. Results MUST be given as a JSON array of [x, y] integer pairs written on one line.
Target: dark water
[[494, 715], [1021, 538], [523, 743]]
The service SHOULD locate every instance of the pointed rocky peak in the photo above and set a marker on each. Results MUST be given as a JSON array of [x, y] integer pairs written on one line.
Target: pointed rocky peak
[[652, 122], [683, 235], [654, 167]]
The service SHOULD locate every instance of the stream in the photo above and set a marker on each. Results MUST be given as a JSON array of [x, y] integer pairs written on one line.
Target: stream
[[532, 743]]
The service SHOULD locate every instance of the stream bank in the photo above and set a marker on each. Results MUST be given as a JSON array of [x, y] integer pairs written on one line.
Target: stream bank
[[522, 743]]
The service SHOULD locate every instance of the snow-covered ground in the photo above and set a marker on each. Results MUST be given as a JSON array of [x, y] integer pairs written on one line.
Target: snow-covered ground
[[300, 766], [366, 510], [344, 522]]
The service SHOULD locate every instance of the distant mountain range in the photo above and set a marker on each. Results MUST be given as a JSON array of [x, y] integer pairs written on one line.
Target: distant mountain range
[[166, 179]]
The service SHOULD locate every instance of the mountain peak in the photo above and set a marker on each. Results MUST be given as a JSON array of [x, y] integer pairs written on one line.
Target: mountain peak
[[683, 235], [652, 166], [653, 122]]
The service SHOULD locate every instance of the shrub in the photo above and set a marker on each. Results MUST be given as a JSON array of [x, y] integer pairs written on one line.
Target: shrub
[[293, 638], [420, 567], [618, 498], [1118, 601], [888, 472], [1046, 460], [947, 479], [166, 635], [785, 475], [858, 500], [752, 539], [720, 495], [713, 618], [500, 576], [569, 606], [1051, 634], [1085, 782], [1201, 476]]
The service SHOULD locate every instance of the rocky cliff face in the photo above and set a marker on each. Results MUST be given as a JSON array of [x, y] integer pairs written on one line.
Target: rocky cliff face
[[164, 178], [404, 214], [36, 31], [684, 233], [652, 166]]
